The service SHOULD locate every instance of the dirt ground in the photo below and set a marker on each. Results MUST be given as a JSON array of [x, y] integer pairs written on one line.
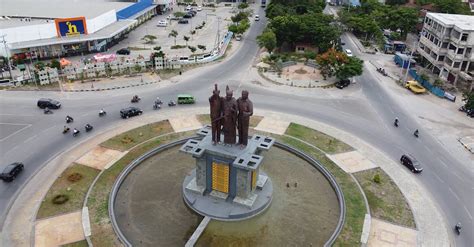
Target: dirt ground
[[151, 211]]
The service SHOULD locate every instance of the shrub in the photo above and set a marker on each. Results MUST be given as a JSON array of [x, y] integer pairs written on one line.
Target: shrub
[[60, 199], [127, 139], [377, 178], [74, 177], [178, 46]]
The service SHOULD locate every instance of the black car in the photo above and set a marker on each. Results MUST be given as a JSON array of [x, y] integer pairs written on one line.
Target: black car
[[123, 51], [11, 171], [183, 21], [192, 12], [50, 103], [411, 163], [343, 83], [130, 112], [188, 16]]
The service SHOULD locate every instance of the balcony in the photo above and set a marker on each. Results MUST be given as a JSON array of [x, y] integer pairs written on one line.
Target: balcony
[[438, 50], [429, 57], [455, 57]]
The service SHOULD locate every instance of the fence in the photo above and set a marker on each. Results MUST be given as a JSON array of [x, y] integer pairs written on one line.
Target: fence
[[435, 90]]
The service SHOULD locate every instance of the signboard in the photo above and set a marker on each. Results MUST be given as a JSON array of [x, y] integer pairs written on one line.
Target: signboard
[[71, 26]]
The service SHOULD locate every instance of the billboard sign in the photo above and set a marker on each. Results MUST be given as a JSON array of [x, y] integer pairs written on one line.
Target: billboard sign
[[71, 26]]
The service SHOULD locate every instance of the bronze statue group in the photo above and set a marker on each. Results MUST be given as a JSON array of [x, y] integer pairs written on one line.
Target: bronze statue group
[[229, 114]]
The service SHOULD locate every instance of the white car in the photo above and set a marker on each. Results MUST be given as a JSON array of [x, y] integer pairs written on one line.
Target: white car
[[162, 23], [348, 52], [199, 8], [257, 18], [188, 8]]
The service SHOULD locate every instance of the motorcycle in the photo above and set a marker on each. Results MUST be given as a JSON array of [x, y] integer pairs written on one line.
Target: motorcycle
[[88, 127], [171, 103], [135, 99], [65, 130], [457, 228], [156, 106], [102, 113], [47, 111], [395, 123], [416, 133], [75, 132], [382, 71], [69, 119]]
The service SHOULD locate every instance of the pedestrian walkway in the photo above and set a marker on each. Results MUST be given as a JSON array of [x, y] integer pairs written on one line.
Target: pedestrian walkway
[[59, 230], [389, 235]]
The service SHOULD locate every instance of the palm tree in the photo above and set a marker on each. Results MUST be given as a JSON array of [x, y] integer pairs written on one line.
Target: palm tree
[[186, 38], [173, 34]]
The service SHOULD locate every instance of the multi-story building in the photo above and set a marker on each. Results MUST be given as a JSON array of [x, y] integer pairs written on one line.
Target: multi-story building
[[447, 46]]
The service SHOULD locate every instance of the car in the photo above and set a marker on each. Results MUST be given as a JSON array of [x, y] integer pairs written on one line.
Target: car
[[130, 112], [188, 8], [162, 23], [188, 16], [199, 8], [11, 171], [348, 52], [123, 51], [415, 87], [50, 103], [183, 21], [343, 83], [411, 163], [257, 18], [238, 37], [193, 12]]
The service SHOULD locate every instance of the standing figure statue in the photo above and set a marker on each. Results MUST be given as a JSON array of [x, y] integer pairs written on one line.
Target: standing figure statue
[[230, 117], [215, 102], [245, 111]]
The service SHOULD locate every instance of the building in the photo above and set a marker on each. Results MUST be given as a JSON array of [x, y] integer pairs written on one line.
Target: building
[[42, 29], [446, 45]]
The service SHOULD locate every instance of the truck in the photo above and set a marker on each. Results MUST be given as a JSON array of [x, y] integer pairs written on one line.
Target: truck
[[415, 87], [263, 3]]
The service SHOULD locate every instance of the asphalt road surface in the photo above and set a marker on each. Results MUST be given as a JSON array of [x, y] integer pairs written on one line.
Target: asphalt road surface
[[29, 136]]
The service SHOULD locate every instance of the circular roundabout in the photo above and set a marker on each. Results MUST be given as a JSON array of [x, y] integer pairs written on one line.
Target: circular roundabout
[[149, 208]]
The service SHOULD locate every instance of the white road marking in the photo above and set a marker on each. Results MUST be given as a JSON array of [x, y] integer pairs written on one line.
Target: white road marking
[[455, 174], [29, 139], [470, 216], [18, 115], [438, 178], [14, 133], [454, 193]]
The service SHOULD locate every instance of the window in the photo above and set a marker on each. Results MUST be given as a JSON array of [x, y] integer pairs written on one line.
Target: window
[[444, 45], [460, 51], [456, 64], [455, 34], [441, 58], [464, 36], [468, 51], [452, 47]]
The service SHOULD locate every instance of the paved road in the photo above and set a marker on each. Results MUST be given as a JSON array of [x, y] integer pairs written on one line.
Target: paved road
[[38, 137]]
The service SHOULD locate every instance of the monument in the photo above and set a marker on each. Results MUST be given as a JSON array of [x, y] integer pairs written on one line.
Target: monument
[[228, 182]]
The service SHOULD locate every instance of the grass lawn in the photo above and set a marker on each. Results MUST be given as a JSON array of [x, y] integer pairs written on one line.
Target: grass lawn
[[386, 202], [132, 137], [355, 206], [75, 190], [82, 243], [206, 119], [103, 234], [324, 142]]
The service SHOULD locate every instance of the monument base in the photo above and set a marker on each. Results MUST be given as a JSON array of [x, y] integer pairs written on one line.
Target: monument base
[[224, 208]]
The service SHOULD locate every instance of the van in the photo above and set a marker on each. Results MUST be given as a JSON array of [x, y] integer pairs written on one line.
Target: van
[[185, 99]]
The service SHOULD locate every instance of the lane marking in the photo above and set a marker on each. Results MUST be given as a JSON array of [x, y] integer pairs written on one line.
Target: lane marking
[[467, 211], [454, 193], [438, 178], [29, 139], [455, 174], [17, 115], [14, 133]]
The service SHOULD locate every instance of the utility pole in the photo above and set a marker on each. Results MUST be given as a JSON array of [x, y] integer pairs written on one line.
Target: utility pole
[[7, 51]]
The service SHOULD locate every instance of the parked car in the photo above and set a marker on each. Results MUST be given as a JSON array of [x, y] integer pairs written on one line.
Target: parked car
[[188, 8], [162, 23], [238, 37], [343, 83], [188, 16], [123, 51], [415, 87], [411, 163], [183, 21], [193, 12], [50, 103], [130, 112], [199, 8], [348, 52], [257, 18], [11, 171]]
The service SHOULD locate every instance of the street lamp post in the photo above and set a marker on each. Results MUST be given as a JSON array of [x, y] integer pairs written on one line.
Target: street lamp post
[[7, 51]]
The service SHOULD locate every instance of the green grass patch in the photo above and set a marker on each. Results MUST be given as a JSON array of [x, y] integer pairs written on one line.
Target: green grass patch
[[355, 206], [138, 135], [76, 191], [324, 142], [386, 201], [82, 243], [103, 234], [206, 119]]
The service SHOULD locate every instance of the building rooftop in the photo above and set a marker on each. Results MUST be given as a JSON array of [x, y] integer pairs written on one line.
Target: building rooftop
[[62, 8], [18, 22], [465, 22]]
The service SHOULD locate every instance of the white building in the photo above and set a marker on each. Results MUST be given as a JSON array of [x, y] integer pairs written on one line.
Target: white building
[[447, 44], [52, 28]]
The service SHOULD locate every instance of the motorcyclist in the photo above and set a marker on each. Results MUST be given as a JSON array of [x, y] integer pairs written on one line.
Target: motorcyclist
[[396, 121], [66, 129], [458, 227], [416, 133], [69, 118], [102, 112], [88, 126], [158, 101], [47, 110], [75, 131]]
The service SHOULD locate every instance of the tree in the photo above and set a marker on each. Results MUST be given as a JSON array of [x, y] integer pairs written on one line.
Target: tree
[[192, 49], [186, 38], [173, 34], [202, 47], [330, 62], [353, 67], [267, 39], [149, 39], [55, 64], [243, 6], [157, 48], [469, 98], [451, 6], [239, 17], [402, 18]]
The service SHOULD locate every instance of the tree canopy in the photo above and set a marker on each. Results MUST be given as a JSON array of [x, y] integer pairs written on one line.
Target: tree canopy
[[267, 39], [335, 63]]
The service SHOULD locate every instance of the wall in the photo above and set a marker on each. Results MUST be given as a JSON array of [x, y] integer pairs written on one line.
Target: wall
[[101, 21]]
